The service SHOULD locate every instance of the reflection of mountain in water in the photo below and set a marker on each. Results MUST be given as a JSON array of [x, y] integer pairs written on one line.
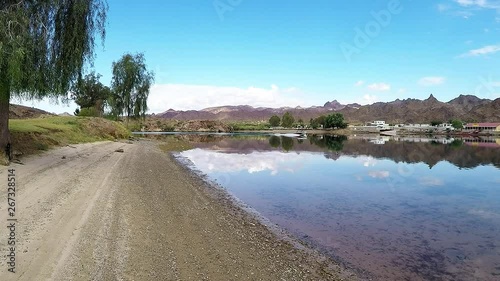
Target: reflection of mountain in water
[[431, 152]]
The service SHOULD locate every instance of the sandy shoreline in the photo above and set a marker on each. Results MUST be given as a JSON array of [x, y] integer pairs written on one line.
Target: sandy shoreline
[[90, 213]]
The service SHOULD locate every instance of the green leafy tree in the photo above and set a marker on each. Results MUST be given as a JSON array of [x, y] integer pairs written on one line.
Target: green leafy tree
[[457, 124], [435, 123], [88, 92], [130, 86], [335, 120], [319, 121], [313, 124], [274, 121], [287, 120], [44, 45], [88, 111], [116, 105]]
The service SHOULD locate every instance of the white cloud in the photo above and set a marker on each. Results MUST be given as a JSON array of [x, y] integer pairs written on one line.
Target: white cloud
[[380, 87], [195, 97], [48, 105], [359, 83], [486, 4], [402, 91], [431, 81], [369, 99], [369, 161], [468, 8], [486, 50]]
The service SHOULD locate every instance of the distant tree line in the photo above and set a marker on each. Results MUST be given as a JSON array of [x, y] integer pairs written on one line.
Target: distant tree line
[[334, 121], [286, 121]]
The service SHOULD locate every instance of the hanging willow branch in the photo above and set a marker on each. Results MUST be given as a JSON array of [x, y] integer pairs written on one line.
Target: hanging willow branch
[[45, 44]]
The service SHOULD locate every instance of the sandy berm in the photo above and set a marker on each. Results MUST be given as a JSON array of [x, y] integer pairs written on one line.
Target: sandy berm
[[86, 212]]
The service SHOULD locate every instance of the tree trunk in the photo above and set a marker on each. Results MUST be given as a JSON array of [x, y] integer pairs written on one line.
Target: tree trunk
[[99, 107], [5, 146]]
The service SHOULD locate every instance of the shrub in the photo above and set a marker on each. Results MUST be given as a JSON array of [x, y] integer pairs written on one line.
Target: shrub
[[89, 112]]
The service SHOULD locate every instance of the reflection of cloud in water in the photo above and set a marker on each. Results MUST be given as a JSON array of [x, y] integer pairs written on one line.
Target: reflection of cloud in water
[[273, 161], [379, 174], [430, 181], [369, 162]]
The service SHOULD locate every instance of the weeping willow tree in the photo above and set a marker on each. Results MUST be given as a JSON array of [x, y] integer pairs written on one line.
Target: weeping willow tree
[[44, 45], [130, 86]]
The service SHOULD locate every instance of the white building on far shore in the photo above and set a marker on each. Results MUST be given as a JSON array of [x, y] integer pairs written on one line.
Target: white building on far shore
[[378, 124]]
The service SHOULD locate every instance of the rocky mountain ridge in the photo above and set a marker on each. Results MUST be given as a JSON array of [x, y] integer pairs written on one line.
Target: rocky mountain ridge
[[464, 107]]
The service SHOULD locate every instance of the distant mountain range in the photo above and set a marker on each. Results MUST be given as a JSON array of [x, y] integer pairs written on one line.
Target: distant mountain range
[[464, 107]]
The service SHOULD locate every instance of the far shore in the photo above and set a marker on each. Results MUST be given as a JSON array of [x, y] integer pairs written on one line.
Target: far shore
[[346, 132]]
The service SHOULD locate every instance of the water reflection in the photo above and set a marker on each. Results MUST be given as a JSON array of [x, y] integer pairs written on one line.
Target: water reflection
[[397, 209], [463, 153], [270, 161]]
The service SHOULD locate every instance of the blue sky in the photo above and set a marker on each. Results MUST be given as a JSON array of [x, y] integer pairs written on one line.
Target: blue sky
[[288, 53]]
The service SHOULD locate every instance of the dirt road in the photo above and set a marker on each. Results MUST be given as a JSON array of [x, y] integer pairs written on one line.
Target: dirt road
[[86, 212]]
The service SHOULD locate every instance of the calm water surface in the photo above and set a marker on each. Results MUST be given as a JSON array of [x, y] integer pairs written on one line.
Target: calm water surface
[[393, 209]]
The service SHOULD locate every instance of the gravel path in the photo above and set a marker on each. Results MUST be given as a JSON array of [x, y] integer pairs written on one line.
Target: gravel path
[[86, 212]]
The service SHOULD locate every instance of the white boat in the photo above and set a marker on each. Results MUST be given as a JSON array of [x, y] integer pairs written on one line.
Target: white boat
[[388, 132], [290, 135]]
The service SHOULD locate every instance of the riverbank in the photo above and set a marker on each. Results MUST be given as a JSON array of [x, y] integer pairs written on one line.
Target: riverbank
[[350, 131], [129, 211], [35, 135]]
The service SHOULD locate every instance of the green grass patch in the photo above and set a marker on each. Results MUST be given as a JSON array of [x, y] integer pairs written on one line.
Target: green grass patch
[[32, 135], [249, 126]]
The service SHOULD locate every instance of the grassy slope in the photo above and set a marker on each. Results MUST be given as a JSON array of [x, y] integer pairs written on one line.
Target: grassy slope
[[32, 135]]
